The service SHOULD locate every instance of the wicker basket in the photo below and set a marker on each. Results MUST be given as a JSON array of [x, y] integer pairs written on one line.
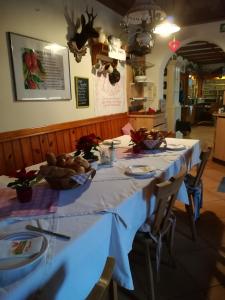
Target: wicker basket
[[64, 183], [154, 144]]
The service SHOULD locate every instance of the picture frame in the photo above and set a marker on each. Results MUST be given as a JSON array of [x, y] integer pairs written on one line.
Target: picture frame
[[40, 69], [82, 91]]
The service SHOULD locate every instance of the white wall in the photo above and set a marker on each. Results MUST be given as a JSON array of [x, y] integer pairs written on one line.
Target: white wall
[[44, 19], [161, 53]]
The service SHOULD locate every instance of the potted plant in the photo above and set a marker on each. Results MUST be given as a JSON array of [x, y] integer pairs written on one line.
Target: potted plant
[[86, 146], [23, 184]]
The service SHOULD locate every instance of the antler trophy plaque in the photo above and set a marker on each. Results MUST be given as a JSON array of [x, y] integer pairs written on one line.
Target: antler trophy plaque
[[77, 40]]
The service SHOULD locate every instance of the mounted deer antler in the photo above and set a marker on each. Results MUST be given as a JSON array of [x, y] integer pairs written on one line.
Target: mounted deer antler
[[78, 40], [72, 28], [87, 30]]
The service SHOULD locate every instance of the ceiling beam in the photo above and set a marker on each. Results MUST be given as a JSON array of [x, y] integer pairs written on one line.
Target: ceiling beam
[[199, 52], [197, 55], [193, 48], [208, 62]]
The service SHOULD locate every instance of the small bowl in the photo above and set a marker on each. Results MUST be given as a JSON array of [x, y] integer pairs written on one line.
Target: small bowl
[[140, 78]]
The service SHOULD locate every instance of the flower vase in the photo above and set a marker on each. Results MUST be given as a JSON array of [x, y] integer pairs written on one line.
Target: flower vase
[[24, 194], [90, 156], [137, 148]]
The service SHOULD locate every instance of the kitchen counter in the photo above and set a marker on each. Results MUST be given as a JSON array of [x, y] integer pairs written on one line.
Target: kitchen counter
[[156, 121], [219, 115]]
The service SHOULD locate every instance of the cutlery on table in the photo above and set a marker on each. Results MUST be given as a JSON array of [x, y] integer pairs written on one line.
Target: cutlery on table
[[59, 235]]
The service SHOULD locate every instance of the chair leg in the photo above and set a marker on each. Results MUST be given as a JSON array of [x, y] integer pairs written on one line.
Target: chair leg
[[170, 242], [190, 211], [150, 279], [113, 290]]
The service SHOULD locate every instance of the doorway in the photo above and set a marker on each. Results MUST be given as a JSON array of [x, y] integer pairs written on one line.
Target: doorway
[[199, 90]]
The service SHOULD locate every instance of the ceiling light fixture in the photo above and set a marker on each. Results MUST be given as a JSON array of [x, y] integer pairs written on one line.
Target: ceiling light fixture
[[166, 28], [140, 23]]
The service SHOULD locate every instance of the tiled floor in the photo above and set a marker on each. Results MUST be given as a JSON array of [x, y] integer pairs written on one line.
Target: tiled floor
[[200, 266]]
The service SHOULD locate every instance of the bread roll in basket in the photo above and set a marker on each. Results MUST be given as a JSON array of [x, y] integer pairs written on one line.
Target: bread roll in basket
[[65, 171]]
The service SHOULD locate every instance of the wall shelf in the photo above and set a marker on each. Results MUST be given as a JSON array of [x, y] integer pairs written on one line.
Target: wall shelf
[[141, 82], [100, 52], [138, 99], [213, 88]]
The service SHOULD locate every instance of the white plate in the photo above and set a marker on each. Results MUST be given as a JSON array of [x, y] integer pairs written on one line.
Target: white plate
[[175, 147], [139, 98], [109, 142], [12, 269], [139, 170]]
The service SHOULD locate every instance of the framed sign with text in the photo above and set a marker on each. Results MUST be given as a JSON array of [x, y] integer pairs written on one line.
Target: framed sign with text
[[41, 69], [82, 91]]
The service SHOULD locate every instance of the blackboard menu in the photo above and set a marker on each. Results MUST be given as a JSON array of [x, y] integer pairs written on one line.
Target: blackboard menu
[[82, 91]]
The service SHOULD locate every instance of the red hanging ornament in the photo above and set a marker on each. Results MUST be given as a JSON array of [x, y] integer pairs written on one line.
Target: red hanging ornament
[[174, 45]]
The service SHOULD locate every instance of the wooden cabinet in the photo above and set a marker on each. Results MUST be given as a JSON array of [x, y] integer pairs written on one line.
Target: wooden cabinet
[[219, 142], [156, 121]]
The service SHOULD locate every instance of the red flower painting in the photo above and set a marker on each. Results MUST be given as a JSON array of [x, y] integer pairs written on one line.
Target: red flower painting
[[33, 70]]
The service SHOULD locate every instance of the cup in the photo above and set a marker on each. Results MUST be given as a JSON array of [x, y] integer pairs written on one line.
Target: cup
[[104, 157]]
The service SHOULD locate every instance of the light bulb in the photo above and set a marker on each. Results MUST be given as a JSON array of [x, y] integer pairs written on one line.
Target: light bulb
[[166, 28]]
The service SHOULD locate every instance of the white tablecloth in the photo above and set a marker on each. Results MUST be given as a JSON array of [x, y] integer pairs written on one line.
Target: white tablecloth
[[102, 218]]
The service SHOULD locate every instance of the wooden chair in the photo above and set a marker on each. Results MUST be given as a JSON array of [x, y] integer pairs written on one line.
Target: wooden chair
[[106, 287], [194, 184], [162, 225]]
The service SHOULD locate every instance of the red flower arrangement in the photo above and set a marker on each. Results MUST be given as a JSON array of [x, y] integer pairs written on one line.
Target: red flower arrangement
[[86, 145], [137, 139], [23, 184], [24, 179], [143, 139]]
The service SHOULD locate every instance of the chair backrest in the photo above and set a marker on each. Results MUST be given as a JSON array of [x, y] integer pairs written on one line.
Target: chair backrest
[[166, 193], [204, 158], [100, 289]]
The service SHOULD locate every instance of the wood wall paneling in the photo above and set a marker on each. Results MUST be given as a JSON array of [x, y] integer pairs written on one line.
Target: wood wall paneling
[[9, 156], [27, 151], [44, 145], [60, 142], [67, 141], [26, 147], [73, 138], [52, 143], [2, 160], [36, 149]]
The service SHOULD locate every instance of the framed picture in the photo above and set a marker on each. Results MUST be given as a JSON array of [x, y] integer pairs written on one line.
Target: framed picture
[[82, 91], [41, 69]]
